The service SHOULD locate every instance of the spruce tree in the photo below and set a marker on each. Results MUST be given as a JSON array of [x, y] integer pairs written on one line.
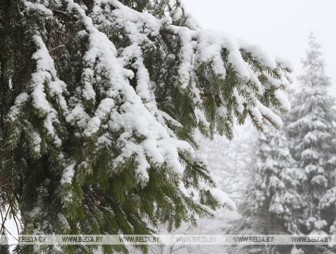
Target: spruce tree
[[272, 200], [274, 186], [100, 101], [311, 131]]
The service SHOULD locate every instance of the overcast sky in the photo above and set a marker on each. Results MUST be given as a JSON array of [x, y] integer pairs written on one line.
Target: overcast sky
[[279, 26]]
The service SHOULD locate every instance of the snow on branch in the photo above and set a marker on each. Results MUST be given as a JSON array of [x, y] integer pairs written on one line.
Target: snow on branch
[[123, 110], [44, 83], [137, 63], [233, 78]]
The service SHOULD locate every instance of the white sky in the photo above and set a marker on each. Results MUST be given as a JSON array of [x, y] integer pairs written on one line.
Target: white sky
[[281, 27]]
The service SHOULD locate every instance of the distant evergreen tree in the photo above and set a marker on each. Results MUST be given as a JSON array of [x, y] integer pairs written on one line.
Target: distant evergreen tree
[[274, 194], [272, 199], [311, 131], [99, 103]]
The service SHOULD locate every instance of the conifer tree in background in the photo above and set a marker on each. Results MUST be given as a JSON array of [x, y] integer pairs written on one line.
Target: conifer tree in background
[[273, 201], [311, 131], [274, 192], [99, 104]]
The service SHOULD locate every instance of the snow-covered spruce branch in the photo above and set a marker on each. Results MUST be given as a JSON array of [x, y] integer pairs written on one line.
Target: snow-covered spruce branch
[[111, 100]]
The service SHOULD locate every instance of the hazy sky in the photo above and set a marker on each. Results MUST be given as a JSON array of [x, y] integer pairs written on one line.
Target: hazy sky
[[280, 26]]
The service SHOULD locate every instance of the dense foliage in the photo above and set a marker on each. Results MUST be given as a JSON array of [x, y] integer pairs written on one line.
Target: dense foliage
[[99, 103]]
